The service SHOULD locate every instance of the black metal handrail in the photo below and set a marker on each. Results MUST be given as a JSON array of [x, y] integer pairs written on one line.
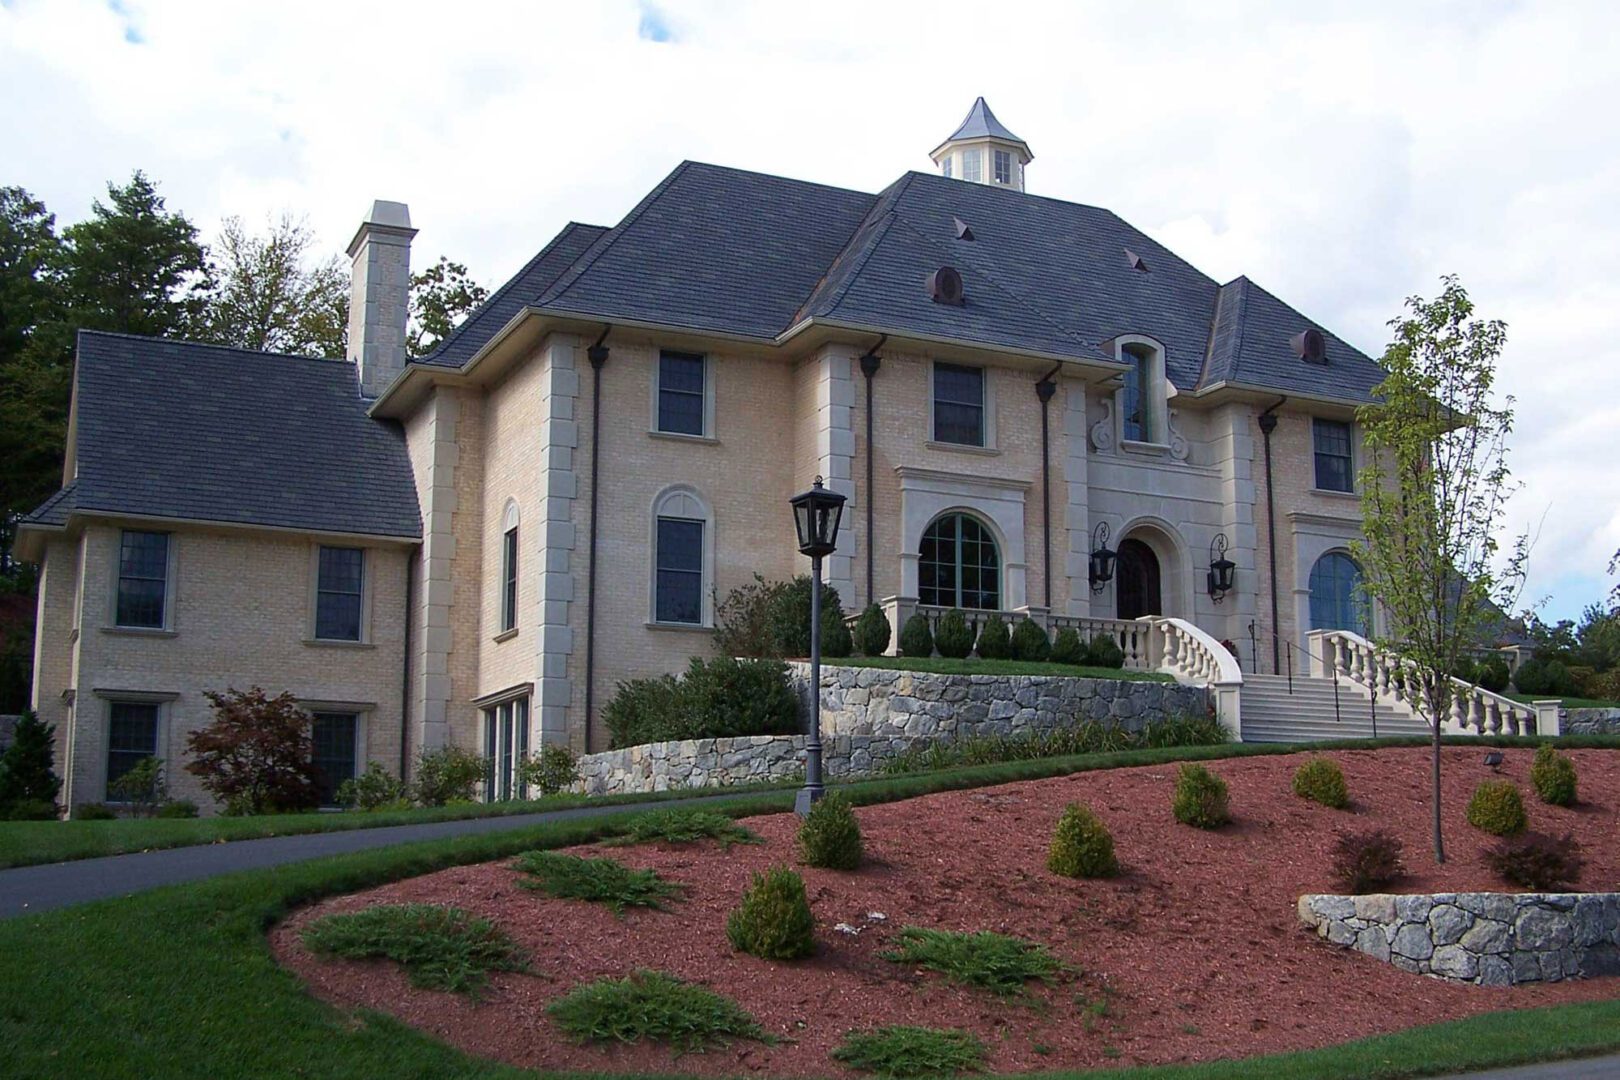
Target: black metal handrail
[[1288, 647]]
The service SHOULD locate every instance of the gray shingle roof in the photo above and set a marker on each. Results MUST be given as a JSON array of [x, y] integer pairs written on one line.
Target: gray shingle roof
[[981, 123], [198, 432]]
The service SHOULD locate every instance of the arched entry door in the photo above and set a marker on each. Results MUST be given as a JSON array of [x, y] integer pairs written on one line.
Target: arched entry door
[[1136, 577]]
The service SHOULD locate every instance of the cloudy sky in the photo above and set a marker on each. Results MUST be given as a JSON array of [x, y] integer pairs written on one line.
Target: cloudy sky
[[1342, 155]]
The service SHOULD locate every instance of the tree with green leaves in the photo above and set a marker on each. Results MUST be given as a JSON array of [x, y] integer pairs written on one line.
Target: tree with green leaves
[[28, 780], [269, 295], [441, 296], [1434, 488]]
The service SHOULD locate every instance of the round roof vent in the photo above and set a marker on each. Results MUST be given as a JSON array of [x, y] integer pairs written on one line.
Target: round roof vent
[[1310, 346], [945, 286]]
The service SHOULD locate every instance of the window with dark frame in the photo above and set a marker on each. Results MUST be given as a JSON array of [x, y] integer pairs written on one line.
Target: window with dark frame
[[509, 578], [1003, 167], [680, 393], [335, 736], [1334, 468], [143, 579], [132, 737], [506, 745], [339, 591], [959, 405], [679, 572], [1136, 415], [959, 565]]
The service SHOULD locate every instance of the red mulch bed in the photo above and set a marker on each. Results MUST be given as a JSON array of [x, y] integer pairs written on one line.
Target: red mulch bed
[[1195, 947]]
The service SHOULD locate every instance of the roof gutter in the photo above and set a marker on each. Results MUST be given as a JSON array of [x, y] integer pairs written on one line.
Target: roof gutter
[[1097, 362]]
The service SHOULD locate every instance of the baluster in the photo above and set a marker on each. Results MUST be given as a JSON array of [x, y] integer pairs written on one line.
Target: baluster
[[1457, 713], [1477, 712]]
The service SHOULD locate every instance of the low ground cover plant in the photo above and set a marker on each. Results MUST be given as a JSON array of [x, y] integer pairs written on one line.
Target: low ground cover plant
[[440, 948], [1553, 776], [1367, 861], [985, 960], [715, 698], [1200, 798], [1322, 781], [911, 1051], [601, 881], [773, 921], [685, 826], [830, 836], [1086, 737], [1082, 846], [1538, 862], [1497, 808], [653, 1006]]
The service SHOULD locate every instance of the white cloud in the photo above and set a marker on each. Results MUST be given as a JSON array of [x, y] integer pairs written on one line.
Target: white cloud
[[1342, 155]]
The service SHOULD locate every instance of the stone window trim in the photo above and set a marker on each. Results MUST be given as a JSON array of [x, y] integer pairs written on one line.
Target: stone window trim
[[1338, 556], [364, 641], [1352, 459], [511, 564], [1311, 537], [170, 593], [1156, 394], [655, 429], [360, 714], [162, 701], [681, 502], [988, 444], [960, 564], [500, 697], [998, 502]]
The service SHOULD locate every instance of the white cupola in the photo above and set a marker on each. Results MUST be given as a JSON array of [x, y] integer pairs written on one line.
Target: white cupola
[[982, 151]]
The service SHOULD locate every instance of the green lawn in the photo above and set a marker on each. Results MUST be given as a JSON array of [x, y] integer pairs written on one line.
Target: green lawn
[[1569, 702], [180, 983], [939, 665]]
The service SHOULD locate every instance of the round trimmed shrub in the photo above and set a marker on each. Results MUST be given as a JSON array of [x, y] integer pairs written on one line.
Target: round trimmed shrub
[[1104, 651], [836, 640], [1200, 799], [1322, 781], [1550, 678], [830, 837], [994, 641], [773, 921], [1066, 647], [1493, 675], [953, 638], [1553, 775], [1497, 808], [916, 639], [1029, 642], [872, 631], [1082, 846]]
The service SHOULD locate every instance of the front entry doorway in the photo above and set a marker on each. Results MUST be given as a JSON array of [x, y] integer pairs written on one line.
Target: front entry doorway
[[1137, 578]]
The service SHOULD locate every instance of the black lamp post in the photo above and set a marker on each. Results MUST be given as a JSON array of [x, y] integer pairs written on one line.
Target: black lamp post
[[1102, 558], [816, 516], [1221, 569]]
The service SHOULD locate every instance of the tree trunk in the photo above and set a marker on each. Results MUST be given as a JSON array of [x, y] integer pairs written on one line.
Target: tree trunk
[[1434, 713]]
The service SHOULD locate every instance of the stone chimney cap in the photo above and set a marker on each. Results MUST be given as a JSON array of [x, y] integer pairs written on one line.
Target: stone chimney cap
[[385, 219]]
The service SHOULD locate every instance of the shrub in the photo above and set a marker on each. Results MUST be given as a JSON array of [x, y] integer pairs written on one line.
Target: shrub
[[1066, 647], [440, 948], [554, 769], [994, 642], [1029, 642], [374, 789], [716, 698], [94, 811], [1548, 678], [1104, 651], [1086, 737], [790, 615], [641, 710], [256, 757], [836, 640], [743, 619], [1538, 862], [872, 631], [774, 920], [652, 1005], [985, 960], [30, 810], [1322, 781], [916, 639], [27, 767], [447, 775], [1493, 675], [1497, 808], [1200, 798], [1367, 861], [830, 837], [685, 827], [953, 637], [142, 789], [1553, 775], [177, 808], [601, 881], [1606, 685], [911, 1051], [1082, 847]]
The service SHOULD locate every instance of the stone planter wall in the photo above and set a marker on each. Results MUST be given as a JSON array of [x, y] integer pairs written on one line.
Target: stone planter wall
[[1590, 722], [1495, 939]]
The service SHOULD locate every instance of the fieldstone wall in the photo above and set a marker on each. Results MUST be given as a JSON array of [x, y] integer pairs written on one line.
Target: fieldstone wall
[[1495, 939], [1591, 722]]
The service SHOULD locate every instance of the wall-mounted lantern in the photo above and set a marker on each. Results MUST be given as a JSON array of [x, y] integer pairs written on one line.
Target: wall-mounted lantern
[[1102, 558], [1222, 570]]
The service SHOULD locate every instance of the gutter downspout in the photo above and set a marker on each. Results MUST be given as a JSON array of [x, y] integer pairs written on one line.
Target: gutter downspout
[[598, 354], [870, 363], [405, 689], [1268, 423], [1044, 389]]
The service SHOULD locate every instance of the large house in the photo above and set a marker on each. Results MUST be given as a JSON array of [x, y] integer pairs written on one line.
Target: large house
[[476, 546]]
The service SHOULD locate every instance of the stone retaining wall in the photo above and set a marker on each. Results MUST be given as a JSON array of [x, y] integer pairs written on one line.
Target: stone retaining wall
[[1495, 939], [1590, 722]]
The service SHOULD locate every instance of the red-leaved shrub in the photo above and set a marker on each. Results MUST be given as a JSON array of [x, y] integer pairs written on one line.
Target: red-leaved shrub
[[257, 756], [1369, 860], [1538, 862]]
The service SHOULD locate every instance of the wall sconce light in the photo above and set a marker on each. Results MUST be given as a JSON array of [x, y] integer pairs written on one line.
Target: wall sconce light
[[1221, 569], [1102, 558]]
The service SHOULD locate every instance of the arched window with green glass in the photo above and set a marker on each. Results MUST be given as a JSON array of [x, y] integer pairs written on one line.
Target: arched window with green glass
[[960, 565], [1338, 600]]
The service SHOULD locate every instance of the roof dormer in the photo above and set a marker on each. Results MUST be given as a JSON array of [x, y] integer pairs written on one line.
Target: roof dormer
[[982, 151]]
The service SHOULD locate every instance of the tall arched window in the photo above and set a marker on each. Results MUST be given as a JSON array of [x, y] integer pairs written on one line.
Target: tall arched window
[[960, 566], [683, 558], [509, 568], [1337, 599]]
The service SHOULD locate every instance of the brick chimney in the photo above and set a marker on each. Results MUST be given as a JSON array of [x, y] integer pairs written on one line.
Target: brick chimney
[[379, 294]]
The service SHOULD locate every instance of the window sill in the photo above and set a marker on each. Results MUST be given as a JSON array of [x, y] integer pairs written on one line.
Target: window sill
[[1331, 494], [681, 627], [678, 436], [506, 635], [963, 448], [332, 643], [138, 631], [1133, 446]]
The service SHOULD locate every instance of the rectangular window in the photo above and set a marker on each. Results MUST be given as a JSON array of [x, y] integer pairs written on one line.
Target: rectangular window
[[679, 585], [973, 165], [680, 393], [1003, 167], [506, 744], [336, 739], [1137, 412], [509, 557], [143, 579], [945, 167], [132, 737], [339, 588], [1333, 459], [959, 405]]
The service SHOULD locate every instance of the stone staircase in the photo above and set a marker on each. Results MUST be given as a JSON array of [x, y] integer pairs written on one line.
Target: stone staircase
[[1272, 714]]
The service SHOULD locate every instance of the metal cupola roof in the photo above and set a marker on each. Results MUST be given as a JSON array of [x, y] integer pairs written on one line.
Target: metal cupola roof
[[981, 123]]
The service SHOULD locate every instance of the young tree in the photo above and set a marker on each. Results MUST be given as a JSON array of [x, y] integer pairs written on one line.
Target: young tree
[[257, 756], [1434, 488], [441, 296], [269, 296], [28, 780]]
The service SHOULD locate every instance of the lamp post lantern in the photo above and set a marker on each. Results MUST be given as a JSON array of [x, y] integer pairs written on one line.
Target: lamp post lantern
[[816, 516]]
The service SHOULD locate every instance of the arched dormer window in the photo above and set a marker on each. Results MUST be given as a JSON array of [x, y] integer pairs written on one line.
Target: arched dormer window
[[509, 567], [1141, 400], [682, 559]]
